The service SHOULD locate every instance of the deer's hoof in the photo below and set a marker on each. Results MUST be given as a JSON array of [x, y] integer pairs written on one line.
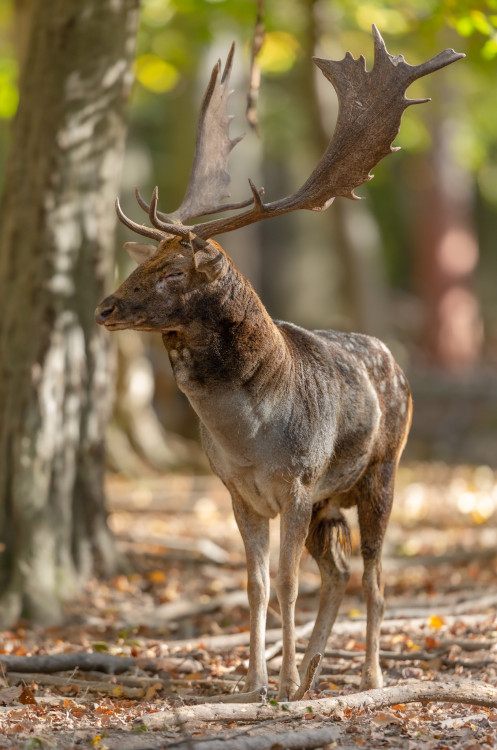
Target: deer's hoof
[[371, 680]]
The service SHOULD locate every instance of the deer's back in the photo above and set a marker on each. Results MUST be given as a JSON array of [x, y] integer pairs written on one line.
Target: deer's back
[[338, 403]]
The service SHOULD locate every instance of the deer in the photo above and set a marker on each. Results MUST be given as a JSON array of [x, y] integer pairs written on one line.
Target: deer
[[296, 423]]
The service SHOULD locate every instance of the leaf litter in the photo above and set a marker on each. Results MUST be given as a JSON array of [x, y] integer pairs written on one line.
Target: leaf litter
[[182, 608]]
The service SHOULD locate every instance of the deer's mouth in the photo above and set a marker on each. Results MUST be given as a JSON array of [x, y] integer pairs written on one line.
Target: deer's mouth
[[122, 325]]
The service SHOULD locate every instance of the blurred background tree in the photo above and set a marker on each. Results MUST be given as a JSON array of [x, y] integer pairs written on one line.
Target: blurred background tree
[[56, 250], [414, 263]]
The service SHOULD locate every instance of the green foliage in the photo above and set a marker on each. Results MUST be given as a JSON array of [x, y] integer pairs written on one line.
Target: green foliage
[[176, 34], [9, 96]]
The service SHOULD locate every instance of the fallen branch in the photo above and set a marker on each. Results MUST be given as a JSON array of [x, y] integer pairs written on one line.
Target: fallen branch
[[100, 662], [296, 740], [182, 609], [204, 549], [259, 695], [476, 694], [344, 626], [124, 687]]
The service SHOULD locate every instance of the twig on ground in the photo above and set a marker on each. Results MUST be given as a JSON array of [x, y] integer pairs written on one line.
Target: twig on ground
[[308, 680], [473, 693]]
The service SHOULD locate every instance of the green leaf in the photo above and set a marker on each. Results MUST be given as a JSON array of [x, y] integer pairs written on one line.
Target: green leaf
[[100, 646]]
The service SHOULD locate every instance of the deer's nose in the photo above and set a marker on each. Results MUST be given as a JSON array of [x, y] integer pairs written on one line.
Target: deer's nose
[[105, 310]]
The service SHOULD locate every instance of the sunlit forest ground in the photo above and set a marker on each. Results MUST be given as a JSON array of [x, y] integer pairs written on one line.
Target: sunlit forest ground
[[182, 603]]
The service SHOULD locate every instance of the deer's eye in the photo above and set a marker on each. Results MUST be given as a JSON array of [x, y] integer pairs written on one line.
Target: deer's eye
[[164, 282]]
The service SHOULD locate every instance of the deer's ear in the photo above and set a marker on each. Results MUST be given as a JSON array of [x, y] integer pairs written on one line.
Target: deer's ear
[[139, 251], [208, 258]]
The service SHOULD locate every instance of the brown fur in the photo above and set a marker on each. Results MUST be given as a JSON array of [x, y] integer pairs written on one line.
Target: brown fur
[[297, 423]]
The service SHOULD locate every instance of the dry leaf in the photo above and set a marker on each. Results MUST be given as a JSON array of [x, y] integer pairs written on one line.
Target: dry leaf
[[384, 718], [432, 642], [435, 664], [26, 697], [436, 622], [152, 690], [10, 695]]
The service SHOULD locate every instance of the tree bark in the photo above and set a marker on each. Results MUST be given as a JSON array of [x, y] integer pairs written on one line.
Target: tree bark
[[55, 260]]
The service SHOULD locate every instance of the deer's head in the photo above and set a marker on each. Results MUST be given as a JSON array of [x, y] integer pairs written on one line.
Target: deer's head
[[371, 104], [163, 291]]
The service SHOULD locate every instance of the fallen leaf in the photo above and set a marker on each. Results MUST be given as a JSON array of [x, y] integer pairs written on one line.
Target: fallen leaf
[[26, 697], [436, 622], [435, 664], [384, 718], [431, 642], [152, 690], [10, 695], [355, 613]]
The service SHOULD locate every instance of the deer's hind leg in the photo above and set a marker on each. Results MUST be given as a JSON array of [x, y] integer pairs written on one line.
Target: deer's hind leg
[[328, 542], [374, 494]]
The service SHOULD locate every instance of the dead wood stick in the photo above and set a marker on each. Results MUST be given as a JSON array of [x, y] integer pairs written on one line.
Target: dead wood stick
[[473, 693], [417, 656], [308, 680], [259, 695], [391, 655], [180, 610], [203, 548], [236, 740], [430, 608], [466, 644], [99, 686], [108, 663], [296, 740], [344, 626]]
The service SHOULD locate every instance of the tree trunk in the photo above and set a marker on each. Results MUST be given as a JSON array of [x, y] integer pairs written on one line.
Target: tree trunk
[[55, 259]]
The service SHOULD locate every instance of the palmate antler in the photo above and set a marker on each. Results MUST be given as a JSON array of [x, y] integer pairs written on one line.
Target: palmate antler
[[371, 104]]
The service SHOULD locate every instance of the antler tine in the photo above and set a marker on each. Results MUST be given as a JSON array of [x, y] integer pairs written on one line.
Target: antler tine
[[146, 206], [168, 228], [412, 72], [209, 178], [154, 234], [228, 66], [371, 104], [215, 210]]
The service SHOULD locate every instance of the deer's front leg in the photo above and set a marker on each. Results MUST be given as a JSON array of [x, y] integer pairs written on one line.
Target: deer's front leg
[[254, 530], [294, 526]]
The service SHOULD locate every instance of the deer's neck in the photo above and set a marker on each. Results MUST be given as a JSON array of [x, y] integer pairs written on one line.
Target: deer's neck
[[228, 342]]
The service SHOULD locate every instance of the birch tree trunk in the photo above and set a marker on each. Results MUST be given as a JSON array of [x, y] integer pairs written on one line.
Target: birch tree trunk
[[56, 251]]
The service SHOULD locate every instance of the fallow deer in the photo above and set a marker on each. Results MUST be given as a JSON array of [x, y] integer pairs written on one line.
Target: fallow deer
[[294, 422]]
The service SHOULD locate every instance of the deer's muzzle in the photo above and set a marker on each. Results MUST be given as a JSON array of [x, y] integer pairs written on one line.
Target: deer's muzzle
[[105, 310]]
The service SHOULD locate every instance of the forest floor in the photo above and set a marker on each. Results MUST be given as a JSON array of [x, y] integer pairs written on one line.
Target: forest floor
[[178, 621]]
